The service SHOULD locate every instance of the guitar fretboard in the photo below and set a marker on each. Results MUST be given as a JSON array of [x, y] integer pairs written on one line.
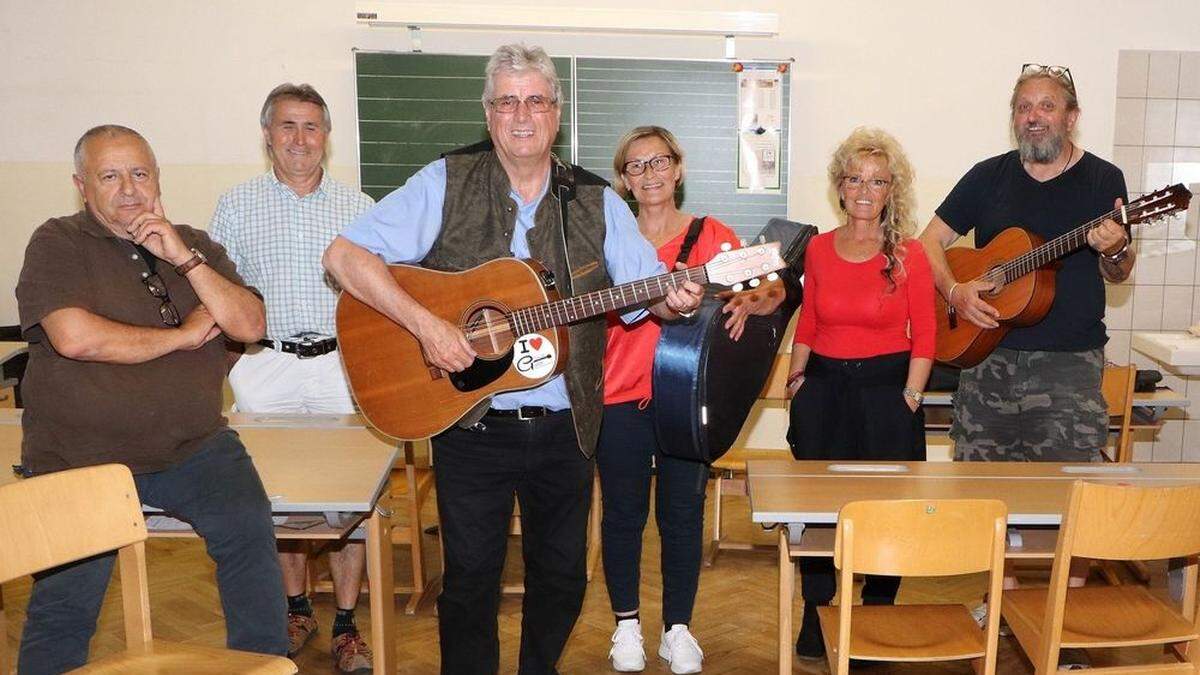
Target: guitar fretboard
[[1050, 251], [580, 307]]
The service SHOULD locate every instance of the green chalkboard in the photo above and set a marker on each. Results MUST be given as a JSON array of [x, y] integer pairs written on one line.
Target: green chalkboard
[[414, 106]]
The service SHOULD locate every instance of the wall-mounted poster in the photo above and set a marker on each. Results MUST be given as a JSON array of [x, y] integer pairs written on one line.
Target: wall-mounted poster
[[760, 130]]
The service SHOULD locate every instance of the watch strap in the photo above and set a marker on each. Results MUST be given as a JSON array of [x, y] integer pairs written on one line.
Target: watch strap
[[195, 261]]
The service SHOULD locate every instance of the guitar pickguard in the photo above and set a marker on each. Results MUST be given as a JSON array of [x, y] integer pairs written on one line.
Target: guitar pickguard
[[481, 373]]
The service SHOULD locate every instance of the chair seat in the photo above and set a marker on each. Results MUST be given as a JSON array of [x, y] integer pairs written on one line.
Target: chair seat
[[169, 657], [1098, 616], [906, 632]]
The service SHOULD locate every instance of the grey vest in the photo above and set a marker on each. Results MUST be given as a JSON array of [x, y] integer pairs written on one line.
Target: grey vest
[[478, 218]]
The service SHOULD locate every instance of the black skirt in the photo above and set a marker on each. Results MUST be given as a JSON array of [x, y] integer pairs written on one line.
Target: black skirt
[[856, 409]]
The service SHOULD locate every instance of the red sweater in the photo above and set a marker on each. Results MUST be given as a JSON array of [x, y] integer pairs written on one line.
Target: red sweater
[[848, 313], [629, 355]]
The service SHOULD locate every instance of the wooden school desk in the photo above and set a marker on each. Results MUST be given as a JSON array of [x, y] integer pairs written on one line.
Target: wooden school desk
[[325, 473], [795, 494]]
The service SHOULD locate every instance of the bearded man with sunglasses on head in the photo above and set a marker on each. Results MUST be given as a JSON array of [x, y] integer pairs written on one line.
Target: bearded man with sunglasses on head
[[122, 310], [1036, 397]]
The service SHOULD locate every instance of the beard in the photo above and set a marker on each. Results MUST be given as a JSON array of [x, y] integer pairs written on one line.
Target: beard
[[1043, 152]]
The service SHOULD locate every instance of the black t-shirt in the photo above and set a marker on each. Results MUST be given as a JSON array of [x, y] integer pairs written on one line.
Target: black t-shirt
[[997, 193]]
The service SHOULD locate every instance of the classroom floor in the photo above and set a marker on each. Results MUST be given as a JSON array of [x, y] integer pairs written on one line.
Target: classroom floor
[[734, 620]]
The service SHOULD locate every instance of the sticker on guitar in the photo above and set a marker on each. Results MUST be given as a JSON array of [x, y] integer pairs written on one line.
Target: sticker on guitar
[[534, 356]]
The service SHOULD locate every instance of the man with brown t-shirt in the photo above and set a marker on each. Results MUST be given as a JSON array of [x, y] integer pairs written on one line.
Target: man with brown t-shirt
[[122, 309]]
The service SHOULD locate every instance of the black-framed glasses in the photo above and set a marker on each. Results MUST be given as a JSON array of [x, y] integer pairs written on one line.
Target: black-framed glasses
[[535, 104], [154, 284], [1060, 73], [637, 167]]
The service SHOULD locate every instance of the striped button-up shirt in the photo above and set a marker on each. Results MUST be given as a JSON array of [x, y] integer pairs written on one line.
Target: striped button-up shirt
[[276, 238]]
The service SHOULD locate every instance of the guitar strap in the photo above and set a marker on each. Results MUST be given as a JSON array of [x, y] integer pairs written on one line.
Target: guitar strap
[[689, 241], [562, 179]]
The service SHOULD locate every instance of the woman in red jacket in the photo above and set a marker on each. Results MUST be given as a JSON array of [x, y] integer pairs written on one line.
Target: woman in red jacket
[[649, 165], [864, 343]]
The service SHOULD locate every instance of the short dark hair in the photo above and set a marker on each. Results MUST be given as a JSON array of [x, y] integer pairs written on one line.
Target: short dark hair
[[296, 92], [109, 130]]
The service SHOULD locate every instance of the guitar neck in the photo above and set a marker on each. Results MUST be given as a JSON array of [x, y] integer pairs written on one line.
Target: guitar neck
[[580, 307], [1056, 248]]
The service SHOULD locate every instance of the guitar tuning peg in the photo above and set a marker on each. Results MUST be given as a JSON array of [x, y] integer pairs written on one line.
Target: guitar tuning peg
[[754, 282], [772, 276], [737, 288], [726, 246]]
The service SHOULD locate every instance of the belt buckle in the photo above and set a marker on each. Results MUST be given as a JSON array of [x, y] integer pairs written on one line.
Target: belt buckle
[[306, 348], [521, 413]]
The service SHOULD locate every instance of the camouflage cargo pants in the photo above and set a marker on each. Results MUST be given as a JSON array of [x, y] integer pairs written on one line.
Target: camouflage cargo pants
[[1032, 406]]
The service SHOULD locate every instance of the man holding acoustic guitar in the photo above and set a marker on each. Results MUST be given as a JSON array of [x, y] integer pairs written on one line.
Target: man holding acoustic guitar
[[1036, 397], [507, 197]]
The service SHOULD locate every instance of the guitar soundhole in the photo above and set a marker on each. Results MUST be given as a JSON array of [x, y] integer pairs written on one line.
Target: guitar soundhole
[[996, 276], [489, 332]]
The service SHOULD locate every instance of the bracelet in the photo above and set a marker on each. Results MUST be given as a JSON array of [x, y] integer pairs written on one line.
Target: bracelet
[[914, 395], [794, 376], [687, 315], [950, 293], [1120, 255]]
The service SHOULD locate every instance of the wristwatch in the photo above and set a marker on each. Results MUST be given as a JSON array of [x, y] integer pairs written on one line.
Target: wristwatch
[[1117, 257], [197, 259], [915, 395]]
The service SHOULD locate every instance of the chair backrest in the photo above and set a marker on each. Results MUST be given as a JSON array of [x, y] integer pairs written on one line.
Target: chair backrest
[[776, 385], [921, 537], [66, 516], [1126, 522]]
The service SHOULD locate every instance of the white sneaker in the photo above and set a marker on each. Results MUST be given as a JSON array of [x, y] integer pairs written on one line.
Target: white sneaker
[[627, 655], [681, 650]]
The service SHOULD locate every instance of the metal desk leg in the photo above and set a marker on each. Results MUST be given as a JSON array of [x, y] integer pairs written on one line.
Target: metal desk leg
[[787, 584], [381, 582]]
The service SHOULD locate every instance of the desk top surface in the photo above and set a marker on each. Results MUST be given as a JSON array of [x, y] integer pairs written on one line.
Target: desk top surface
[[784, 491], [334, 463]]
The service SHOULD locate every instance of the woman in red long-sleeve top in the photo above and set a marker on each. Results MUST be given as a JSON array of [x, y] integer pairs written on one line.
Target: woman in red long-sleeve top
[[865, 340]]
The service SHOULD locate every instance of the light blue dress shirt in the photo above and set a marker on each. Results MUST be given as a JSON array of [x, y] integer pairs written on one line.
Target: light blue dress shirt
[[403, 226]]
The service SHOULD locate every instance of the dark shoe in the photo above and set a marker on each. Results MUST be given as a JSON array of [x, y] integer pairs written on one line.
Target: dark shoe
[[351, 653], [300, 630], [810, 644]]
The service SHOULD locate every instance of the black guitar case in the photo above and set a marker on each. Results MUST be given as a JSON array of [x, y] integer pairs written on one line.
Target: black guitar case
[[704, 383]]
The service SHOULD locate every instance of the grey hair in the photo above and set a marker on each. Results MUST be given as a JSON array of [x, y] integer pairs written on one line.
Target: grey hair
[[109, 131], [517, 58], [296, 92]]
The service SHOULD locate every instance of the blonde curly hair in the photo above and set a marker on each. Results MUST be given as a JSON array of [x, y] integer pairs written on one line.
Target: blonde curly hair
[[898, 214]]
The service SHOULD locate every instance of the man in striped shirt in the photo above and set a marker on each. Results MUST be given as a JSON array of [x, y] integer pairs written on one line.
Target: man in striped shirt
[[275, 228]]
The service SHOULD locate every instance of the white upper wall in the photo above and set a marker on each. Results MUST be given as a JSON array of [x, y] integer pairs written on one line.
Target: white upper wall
[[191, 76]]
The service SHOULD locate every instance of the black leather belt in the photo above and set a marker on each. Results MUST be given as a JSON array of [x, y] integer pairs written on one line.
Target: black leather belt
[[525, 412], [305, 348]]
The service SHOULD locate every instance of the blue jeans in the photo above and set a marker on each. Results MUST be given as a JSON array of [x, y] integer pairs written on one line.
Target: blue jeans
[[218, 492], [627, 446]]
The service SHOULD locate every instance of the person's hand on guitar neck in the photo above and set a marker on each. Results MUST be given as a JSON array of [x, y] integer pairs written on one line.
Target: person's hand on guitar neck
[[443, 343], [1111, 241]]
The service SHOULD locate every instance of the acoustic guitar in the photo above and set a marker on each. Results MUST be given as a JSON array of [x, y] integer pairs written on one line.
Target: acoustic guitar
[[514, 319], [1019, 263]]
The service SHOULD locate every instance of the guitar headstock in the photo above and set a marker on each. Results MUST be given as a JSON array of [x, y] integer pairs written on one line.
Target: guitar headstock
[[1158, 204], [733, 267]]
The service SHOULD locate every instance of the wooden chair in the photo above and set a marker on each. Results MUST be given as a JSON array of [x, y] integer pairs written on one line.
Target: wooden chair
[[729, 472], [1114, 522], [915, 537], [62, 517], [1117, 387]]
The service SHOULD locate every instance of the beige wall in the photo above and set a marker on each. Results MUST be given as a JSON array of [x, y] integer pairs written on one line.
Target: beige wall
[[191, 76]]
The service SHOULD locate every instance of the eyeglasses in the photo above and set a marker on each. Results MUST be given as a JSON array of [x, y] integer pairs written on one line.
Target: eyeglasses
[[637, 167], [1060, 73], [535, 104], [875, 184], [154, 284]]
